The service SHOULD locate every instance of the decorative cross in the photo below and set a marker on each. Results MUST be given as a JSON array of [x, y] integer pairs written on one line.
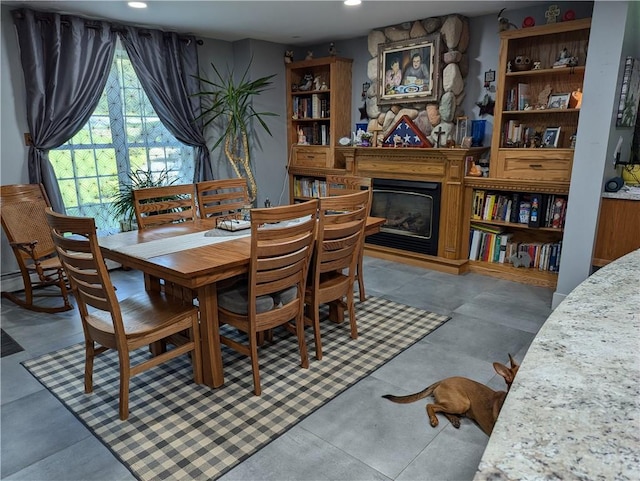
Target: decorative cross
[[438, 133], [552, 14]]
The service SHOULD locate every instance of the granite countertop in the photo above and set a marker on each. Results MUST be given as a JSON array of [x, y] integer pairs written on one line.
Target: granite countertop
[[628, 192], [573, 411]]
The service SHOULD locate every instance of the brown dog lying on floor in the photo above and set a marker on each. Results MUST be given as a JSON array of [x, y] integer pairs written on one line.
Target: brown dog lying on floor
[[459, 396]]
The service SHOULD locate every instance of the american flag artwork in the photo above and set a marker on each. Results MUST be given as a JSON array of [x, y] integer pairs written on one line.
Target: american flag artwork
[[405, 134]]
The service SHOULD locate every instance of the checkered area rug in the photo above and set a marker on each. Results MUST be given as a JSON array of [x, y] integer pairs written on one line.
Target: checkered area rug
[[179, 430]]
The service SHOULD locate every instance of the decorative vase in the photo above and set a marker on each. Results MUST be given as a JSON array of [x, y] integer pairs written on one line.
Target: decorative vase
[[477, 132]]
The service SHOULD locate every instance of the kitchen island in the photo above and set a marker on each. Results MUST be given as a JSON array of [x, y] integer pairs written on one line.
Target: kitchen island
[[573, 411]]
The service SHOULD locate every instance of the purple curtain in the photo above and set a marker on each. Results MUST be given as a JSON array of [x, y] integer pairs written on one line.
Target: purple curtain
[[166, 64], [66, 62]]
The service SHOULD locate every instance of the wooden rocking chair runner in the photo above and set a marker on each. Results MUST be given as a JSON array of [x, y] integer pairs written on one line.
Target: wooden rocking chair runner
[[22, 208], [126, 325], [220, 198]]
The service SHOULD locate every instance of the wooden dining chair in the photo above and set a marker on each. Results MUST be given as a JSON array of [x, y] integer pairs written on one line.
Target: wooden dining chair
[[164, 205], [126, 325], [221, 198], [340, 185], [341, 223], [273, 294], [22, 210]]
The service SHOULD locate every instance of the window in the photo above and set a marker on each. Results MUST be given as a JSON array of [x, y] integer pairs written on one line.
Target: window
[[123, 135]]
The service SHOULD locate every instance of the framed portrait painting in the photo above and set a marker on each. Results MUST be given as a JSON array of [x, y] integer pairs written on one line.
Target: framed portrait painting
[[408, 70]]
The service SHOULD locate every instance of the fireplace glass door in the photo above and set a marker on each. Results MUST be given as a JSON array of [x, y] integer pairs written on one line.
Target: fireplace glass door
[[412, 210]]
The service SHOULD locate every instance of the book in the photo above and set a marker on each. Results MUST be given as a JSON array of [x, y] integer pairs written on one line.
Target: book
[[515, 207], [492, 229], [474, 248], [524, 212], [315, 106], [536, 210], [524, 99], [505, 239]]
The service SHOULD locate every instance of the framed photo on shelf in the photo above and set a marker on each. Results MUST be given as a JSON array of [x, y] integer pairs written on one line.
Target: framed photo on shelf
[[408, 70], [551, 137], [559, 101], [462, 130]]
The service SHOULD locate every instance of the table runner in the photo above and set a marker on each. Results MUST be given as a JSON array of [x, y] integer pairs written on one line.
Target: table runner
[[160, 247]]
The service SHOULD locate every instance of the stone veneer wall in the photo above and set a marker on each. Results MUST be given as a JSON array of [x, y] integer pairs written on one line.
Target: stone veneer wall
[[454, 65]]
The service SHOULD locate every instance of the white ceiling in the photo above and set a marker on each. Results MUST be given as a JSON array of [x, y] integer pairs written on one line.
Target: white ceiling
[[293, 22]]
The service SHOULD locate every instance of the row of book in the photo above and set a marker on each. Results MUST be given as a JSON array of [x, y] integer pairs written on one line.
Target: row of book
[[518, 97], [309, 187], [534, 210], [314, 134], [498, 247], [516, 134], [310, 107]]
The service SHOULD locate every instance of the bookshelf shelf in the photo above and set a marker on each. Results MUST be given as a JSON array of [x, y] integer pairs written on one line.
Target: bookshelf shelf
[[540, 112], [548, 72], [513, 225]]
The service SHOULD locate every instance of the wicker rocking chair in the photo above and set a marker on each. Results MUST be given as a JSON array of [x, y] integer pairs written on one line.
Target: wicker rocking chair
[[25, 225]]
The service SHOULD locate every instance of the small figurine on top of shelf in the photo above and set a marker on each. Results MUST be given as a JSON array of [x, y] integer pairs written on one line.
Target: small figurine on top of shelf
[[565, 59], [302, 139], [307, 82], [332, 49], [543, 97], [537, 65], [309, 55], [288, 56]]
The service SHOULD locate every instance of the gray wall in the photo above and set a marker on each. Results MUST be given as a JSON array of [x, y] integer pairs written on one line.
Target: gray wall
[[614, 36]]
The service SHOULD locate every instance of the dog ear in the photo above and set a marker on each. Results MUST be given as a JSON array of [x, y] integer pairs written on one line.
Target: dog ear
[[513, 363], [505, 372]]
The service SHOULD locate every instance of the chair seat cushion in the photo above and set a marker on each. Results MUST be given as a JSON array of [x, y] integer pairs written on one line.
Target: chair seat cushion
[[286, 296], [236, 299]]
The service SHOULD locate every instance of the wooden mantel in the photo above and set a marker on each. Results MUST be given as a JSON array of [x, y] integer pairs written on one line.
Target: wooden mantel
[[446, 166]]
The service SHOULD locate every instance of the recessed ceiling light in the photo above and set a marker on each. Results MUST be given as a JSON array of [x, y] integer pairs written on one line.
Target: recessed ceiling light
[[137, 4], [351, 3]]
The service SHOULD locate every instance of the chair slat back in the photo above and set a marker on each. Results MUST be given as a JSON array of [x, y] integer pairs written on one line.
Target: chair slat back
[[164, 205], [281, 252], [224, 197], [342, 220], [22, 209], [77, 246]]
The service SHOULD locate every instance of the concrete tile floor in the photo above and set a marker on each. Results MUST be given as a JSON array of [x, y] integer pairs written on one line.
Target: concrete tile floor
[[356, 436]]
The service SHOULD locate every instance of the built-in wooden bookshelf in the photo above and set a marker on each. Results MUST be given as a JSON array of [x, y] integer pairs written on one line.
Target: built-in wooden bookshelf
[[318, 112], [521, 167]]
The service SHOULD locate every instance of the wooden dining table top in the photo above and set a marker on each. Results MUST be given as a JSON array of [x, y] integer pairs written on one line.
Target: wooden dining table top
[[192, 267]]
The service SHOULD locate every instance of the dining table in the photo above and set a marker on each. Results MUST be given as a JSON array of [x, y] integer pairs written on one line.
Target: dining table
[[191, 258]]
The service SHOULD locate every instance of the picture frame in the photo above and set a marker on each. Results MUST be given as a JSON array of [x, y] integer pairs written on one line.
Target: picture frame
[[629, 97], [409, 70], [466, 142], [551, 137], [462, 130], [559, 101]]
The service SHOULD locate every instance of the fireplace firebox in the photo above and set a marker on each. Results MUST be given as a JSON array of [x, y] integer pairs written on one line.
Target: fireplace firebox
[[412, 210]]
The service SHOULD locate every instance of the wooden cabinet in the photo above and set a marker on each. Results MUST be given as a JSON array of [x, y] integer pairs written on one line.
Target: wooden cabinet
[[522, 175], [318, 109], [618, 230]]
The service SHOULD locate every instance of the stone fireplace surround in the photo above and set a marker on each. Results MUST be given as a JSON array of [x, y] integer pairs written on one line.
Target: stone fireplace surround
[[428, 116]]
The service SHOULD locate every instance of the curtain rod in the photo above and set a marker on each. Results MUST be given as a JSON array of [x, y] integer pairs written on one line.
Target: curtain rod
[[97, 24]]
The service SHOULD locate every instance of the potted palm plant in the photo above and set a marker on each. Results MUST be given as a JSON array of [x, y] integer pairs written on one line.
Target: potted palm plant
[[123, 207], [230, 104]]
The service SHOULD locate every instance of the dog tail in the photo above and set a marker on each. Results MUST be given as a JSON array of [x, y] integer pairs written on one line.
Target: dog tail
[[409, 398]]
